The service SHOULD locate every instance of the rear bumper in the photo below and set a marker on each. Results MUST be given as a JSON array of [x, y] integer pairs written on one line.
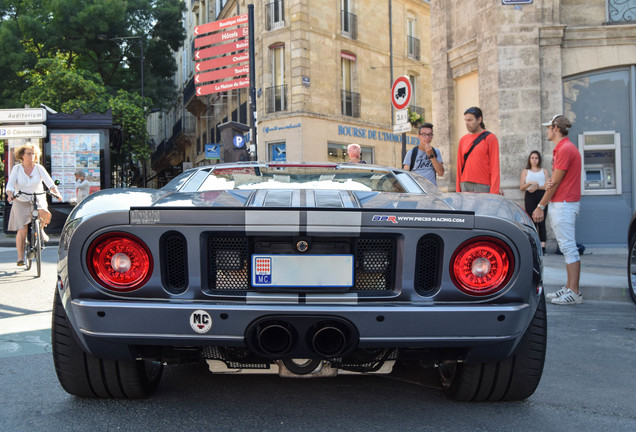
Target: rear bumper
[[102, 325]]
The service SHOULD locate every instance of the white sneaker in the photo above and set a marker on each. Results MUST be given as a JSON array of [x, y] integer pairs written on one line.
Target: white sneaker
[[556, 294], [568, 297], [45, 237]]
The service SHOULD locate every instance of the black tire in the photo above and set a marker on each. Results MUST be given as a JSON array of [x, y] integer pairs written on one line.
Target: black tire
[[37, 247], [84, 375], [28, 257], [515, 378], [631, 267]]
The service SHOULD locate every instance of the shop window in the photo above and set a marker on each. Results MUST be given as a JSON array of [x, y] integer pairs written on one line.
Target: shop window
[[277, 151]]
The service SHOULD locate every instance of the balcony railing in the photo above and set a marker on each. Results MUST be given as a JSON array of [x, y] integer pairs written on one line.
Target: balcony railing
[[275, 15], [276, 98], [349, 23], [350, 103], [621, 11], [413, 47]]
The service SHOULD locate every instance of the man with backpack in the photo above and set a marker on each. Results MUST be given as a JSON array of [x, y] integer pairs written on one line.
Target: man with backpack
[[477, 156], [424, 159]]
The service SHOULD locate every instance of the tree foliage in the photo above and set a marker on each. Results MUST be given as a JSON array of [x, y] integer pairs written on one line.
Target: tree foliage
[[52, 83], [86, 54], [101, 36]]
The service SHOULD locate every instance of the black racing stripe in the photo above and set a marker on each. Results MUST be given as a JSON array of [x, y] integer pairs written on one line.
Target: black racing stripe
[[302, 222]]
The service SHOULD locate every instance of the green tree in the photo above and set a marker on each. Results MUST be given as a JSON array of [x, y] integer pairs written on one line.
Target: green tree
[[31, 30], [53, 83]]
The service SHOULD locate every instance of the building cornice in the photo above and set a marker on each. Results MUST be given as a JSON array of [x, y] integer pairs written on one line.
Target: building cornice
[[463, 58]]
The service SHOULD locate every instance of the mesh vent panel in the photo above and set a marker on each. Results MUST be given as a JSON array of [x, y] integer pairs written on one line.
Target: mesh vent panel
[[427, 273], [229, 263], [374, 264], [175, 259]]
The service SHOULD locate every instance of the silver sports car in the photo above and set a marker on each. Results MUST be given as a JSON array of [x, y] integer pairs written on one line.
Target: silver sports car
[[301, 270]]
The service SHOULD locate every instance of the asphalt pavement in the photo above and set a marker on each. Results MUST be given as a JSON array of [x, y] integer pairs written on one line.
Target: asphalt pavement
[[603, 270]]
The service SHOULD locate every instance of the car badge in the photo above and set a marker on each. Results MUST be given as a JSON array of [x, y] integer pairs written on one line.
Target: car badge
[[302, 246], [200, 321]]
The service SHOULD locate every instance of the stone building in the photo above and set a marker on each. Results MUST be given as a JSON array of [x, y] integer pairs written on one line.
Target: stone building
[[324, 71], [524, 61]]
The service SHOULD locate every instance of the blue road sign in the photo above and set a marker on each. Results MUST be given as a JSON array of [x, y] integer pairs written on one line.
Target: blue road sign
[[213, 151]]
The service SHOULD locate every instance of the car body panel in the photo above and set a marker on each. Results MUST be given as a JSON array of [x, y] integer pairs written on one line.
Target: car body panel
[[115, 324]]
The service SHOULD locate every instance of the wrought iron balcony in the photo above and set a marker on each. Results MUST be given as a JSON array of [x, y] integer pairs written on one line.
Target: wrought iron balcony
[[621, 11], [350, 103], [276, 98], [349, 24]]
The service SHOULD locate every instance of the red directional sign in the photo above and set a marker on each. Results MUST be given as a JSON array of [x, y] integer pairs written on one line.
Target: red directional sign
[[220, 25], [221, 73], [221, 62], [221, 49], [223, 86], [202, 41], [401, 92]]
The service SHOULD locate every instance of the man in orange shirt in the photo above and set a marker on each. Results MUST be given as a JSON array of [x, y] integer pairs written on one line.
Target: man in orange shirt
[[477, 156]]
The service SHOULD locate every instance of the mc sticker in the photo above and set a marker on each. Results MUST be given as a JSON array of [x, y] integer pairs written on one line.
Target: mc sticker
[[200, 321]]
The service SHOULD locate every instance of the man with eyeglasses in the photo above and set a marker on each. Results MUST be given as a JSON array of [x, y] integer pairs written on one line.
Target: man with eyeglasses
[[424, 159], [477, 156]]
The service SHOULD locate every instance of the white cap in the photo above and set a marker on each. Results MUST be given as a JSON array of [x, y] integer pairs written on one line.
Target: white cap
[[551, 122]]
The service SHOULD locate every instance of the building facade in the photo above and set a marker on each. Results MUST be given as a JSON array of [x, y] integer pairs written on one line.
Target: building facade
[[324, 72], [524, 61]]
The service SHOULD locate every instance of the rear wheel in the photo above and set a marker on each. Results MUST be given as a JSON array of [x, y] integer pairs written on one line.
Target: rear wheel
[[84, 375], [514, 378], [631, 267], [37, 247]]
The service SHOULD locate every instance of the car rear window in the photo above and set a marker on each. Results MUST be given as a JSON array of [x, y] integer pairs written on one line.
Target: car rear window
[[303, 177]]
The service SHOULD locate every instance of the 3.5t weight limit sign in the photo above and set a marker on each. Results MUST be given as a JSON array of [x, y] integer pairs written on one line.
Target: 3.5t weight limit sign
[[401, 92]]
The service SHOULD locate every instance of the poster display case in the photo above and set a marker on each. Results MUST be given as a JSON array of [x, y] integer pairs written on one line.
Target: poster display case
[[73, 151]]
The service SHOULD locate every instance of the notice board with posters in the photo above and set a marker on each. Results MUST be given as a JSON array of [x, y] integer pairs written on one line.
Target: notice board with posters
[[71, 151]]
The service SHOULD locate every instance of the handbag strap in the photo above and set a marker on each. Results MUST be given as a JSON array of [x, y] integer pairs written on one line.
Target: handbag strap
[[479, 139]]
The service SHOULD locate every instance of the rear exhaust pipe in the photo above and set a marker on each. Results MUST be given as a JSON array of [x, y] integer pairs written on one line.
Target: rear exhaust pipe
[[331, 340], [274, 338]]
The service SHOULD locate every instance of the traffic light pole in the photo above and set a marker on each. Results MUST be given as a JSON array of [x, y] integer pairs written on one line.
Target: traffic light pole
[[250, 18]]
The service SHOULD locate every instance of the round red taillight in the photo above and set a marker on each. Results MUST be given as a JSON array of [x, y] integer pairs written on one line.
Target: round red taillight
[[482, 266], [119, 261]]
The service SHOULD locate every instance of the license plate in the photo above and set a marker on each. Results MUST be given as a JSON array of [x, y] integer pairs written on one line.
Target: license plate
[[302, 271]]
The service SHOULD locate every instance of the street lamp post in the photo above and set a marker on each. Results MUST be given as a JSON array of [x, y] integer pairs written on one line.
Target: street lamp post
[[141, 44]]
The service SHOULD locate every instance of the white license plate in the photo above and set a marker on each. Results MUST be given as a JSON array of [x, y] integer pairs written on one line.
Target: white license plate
[[302, 271]]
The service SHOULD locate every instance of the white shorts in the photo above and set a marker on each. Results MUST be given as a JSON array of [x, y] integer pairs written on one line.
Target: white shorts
[[563, 221]]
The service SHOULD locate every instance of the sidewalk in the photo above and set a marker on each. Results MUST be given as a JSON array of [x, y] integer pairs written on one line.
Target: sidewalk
[[603, 270]]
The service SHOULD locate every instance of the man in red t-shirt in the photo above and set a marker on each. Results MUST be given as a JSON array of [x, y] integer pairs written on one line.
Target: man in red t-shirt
[[563, 192], [477, 156]]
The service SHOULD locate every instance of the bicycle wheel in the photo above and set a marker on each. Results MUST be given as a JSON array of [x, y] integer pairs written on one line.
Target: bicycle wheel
[[37, 247], [28, 256]]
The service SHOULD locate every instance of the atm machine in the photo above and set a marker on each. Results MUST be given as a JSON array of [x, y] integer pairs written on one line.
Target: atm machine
[[601, 162]]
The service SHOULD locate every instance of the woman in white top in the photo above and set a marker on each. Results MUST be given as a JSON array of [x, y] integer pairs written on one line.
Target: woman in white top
[[533, 179], [27, 176], [82, 187]]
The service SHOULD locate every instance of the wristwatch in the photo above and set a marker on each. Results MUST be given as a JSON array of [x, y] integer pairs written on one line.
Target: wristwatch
[[542, 207], [433, 156]]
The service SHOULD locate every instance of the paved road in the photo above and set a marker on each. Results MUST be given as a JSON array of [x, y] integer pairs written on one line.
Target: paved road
[[589, 383]]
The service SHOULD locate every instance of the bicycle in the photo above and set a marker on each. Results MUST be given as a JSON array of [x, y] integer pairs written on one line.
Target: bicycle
[[33, 240]]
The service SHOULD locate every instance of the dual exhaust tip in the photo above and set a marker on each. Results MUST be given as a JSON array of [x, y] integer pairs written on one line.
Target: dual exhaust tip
[[300, 336]]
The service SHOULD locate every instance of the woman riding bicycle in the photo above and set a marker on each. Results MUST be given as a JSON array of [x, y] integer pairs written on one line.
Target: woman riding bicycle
[[27, 176]]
